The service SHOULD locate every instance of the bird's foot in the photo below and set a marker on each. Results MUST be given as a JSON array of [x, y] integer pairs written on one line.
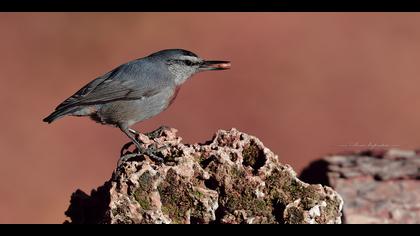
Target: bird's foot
[[143, 138], [126, 157], [150, 152], [157, 133], [139, 136]]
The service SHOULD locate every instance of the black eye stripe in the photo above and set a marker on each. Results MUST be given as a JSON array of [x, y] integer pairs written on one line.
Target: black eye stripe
[[185, 62], [189, 63]]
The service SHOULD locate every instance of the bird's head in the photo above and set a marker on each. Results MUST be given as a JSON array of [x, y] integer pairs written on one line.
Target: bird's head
[[183, 64]]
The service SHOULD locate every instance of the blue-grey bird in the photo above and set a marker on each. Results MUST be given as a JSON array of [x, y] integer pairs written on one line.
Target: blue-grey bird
[[135, 91]]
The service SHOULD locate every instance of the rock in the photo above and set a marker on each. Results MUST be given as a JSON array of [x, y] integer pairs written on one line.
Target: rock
[[231, 179], [377, 186]]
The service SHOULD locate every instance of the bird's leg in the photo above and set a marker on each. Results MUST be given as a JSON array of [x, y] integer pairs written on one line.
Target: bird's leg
[[134, 132], [141, 137], [140, 150], [145, 138], [126, 146]]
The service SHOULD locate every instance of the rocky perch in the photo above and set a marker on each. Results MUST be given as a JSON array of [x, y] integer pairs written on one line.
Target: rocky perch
[[231, 179], [378, 186]]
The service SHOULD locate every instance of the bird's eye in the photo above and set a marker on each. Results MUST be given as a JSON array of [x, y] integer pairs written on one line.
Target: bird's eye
[[188, 63]]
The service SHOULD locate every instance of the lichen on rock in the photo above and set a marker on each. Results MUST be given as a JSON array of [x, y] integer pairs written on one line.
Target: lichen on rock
[[231, 179]]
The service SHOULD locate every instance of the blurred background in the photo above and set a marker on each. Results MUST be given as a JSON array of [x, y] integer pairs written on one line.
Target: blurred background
[[306, 84]]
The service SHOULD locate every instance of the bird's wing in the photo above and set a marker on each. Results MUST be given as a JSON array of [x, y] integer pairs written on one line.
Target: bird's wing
[[123, 83]]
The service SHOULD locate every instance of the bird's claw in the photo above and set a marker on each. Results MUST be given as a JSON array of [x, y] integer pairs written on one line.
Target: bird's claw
[[150, 152], [157, 133], [153, 156]]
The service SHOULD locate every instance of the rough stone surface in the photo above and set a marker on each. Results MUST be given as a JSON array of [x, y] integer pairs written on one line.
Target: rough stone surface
[[231, 179], [377, 186]]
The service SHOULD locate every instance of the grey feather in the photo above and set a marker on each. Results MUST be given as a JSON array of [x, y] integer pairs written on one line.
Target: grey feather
[[127, 82]]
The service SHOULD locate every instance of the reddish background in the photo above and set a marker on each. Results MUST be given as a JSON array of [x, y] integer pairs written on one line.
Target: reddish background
[[304, 83]]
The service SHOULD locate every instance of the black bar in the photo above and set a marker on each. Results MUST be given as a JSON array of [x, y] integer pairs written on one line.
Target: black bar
[[211, 5]]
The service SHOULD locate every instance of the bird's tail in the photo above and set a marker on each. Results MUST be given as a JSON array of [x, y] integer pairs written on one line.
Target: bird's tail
[[59, 113]]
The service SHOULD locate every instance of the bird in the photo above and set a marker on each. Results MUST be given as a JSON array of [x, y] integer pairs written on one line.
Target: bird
[[135, 91]]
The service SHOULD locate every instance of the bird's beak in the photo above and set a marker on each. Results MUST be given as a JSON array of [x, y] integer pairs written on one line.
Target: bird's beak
[[215, 65]]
